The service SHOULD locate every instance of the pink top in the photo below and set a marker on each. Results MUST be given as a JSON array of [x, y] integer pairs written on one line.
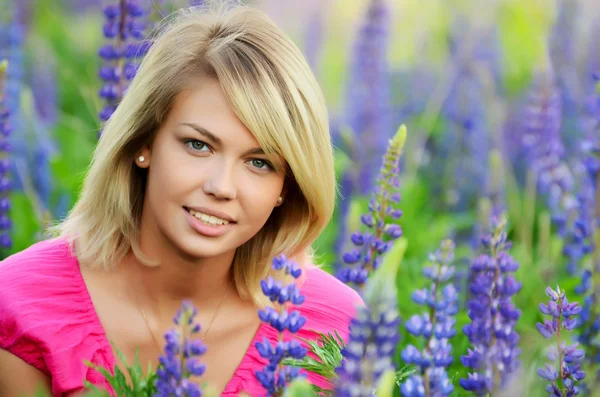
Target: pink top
[[48, 320]]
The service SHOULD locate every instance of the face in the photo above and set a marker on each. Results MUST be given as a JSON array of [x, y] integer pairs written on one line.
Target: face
[[210, 187]]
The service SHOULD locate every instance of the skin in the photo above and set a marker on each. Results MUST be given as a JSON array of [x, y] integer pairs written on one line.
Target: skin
[[186, 168]]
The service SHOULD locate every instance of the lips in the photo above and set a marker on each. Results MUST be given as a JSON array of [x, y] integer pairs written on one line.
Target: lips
[[207, 229]]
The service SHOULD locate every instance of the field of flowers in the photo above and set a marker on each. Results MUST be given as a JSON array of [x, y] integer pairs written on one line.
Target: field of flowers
[[469, 230]]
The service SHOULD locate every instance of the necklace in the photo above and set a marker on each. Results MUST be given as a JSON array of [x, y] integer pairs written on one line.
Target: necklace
[[146, 318]]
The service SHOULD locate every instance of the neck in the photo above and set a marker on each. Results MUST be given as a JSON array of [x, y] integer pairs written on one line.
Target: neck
[[203, 281]]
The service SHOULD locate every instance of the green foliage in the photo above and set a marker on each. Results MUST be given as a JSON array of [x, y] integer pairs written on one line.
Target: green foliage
[[328, 351], [300, 387], [403, 373], [139, 385]]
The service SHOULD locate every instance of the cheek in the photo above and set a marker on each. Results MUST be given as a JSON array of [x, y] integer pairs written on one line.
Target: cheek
[[259, 200]]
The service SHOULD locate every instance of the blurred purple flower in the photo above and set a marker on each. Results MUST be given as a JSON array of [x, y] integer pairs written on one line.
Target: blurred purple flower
[[313, 40], [494, 354], [180, 362], [436, 325], [274, 377], [543, 144], [368, 96], [5, 165]]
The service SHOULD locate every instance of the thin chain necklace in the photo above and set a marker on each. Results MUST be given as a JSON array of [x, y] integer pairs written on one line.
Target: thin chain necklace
[[146, 318]]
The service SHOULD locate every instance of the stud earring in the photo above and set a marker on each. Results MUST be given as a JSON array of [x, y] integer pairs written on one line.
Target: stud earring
[[279, 199], [141, 159]]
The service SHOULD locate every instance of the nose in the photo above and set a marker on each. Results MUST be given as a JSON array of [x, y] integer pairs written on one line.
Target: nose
[[219, 181]]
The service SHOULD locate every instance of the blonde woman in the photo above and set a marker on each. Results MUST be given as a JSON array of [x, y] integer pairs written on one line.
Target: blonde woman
[[217, 159]]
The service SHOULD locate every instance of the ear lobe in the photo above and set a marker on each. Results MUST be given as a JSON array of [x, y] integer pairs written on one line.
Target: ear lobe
[[142, 159]]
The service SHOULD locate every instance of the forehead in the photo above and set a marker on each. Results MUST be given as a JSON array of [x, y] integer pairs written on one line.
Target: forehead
[[203, 103]]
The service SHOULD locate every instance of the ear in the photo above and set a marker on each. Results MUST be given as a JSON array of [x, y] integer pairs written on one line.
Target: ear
[[282, 195], [142, 158]]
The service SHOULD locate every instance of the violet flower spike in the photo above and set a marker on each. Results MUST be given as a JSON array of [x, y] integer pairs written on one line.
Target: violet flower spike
[[368, 111], [179, 366], [371, 244], [125, 21], [436, 325], [583, 244], [5, 165], [373, 338], [274, 377], [494, 354], [562, 380]]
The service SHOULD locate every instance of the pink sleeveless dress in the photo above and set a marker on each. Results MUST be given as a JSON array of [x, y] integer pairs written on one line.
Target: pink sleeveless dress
[[48, 320]]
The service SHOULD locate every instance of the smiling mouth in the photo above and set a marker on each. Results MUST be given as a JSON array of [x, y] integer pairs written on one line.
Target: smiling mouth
[[207, 219]]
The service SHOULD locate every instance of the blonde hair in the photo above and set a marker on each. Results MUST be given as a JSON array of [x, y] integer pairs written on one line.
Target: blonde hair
[[271, 89]]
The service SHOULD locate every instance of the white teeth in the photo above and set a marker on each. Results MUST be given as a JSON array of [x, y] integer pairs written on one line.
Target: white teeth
[[208, 219]]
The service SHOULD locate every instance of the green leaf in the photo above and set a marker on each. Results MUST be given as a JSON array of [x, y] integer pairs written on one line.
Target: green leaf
[[387, 384], [299, 388], [328, 351], [404, 373]]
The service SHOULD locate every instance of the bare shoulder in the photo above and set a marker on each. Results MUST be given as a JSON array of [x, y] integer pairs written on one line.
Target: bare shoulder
[[17, 378]]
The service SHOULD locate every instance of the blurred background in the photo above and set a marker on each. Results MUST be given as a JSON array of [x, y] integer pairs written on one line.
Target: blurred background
[[499, 97]]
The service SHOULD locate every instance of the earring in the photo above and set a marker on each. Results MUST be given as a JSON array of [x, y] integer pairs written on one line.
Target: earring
[[141, 159], [279, 199]]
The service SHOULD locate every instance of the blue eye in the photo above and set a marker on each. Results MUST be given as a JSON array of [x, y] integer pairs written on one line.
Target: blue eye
[[196, 145]]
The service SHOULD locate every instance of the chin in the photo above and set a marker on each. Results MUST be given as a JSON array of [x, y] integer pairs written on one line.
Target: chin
[[197, 247]]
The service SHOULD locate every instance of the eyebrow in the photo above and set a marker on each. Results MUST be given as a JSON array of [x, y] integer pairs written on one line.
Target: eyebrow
[[206, 133]]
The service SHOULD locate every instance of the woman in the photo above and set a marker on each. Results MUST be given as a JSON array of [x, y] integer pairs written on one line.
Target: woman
[[217, 159]]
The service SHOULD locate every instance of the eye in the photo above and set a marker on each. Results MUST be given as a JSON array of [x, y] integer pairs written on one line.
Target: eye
[[261, 164], [196, 145]]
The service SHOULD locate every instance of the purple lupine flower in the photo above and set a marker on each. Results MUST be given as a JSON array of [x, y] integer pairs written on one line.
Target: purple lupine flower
[[494, 354], [5, 165], [313, 40], [12, 37], [581, 244], [125, 22], [179, 366], [436, 326], [562, 379], [373, 336], [464, 147], [368, 110], [274, 377], [371, 245], [543, 144]]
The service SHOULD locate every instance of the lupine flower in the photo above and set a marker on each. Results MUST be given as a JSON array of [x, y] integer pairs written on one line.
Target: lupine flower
[[5, 183], [371, 245], [368, 111], [313, 40], [179, 365], [275, 376], [436, 325], [544, 147], [12, 35], [562, 377], [581, 243], [494, 353], [373, 337], [124, 30], [464, 147]]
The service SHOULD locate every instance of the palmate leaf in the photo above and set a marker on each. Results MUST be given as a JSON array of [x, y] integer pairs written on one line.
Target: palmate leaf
[[327, 350], [140, 386], [404, 373]]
